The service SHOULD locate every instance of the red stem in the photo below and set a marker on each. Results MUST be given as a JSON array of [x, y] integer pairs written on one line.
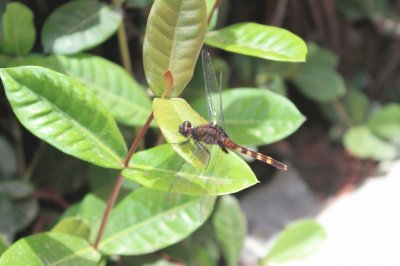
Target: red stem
[[118, 182]]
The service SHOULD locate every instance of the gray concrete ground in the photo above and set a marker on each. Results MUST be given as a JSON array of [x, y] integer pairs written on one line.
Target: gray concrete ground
[[363, 227]]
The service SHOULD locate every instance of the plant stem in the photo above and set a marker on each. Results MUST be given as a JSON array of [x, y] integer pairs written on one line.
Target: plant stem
[[215, 6], [341, 111], [118, 182], [17, 134], [32, 164], [123, 44]]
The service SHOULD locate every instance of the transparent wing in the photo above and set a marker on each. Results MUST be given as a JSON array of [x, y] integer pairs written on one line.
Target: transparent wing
[[213, 91]]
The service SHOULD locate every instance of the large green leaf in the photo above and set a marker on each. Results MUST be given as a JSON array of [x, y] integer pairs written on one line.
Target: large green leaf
[[170, 114], [120, 93], [361, 142], [229, 224], [145, 222], [385, 122], [162, 169], [225, 173], [255, 116], [298, 240], [78, 26], [65, 114], [90, 210], [50, 249], [174, 35], [258, 40], [18, 29]]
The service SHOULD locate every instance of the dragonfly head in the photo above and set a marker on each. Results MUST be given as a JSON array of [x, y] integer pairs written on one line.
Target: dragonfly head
[[185, 129]]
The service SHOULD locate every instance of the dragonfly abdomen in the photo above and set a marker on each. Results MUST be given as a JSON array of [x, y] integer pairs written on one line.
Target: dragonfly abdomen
[[256, 155]]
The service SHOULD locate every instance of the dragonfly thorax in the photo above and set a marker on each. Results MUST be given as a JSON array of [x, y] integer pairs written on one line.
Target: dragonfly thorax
[[185, 129]]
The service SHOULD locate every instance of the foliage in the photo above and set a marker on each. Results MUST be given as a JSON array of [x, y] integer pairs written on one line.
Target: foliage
[[85, 106]]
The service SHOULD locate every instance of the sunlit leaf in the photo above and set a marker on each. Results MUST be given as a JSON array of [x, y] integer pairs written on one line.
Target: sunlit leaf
[[145, 222], [65, 114], [50, 249], [73, 226], [385, 122], [230, 228], [258, 40], [120, 93], [175, 32], [79, 25], [159, 168], [170, 114], [255, 116], [298, 240], [361, 142], [18, 29]]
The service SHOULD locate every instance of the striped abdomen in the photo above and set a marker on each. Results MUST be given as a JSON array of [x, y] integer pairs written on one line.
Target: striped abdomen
[[256, 155]]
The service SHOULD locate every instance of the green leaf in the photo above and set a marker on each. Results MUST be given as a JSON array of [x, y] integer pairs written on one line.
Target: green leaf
[[18, 29], [361, 142], [255, 116], [162, 169], [14, 190], [30, 60], [385, 122], [62, 112], [3, 244], [174, 35], [18, 207], [357, 105], [298, 240], [120, 93], [79, 25], [317, 79], [170, 114], [73, 226], [145, 222], [229, 224], [50, 249], [90, 210], [258, 40]]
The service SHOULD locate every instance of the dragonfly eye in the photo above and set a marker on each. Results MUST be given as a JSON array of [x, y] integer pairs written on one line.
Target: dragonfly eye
[[185, 128]]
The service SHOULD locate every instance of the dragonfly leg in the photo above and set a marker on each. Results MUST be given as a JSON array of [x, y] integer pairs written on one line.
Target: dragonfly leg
[[202, 146], [221, 145]]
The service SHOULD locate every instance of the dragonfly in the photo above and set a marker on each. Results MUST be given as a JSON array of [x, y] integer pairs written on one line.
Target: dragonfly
[[214, 132]]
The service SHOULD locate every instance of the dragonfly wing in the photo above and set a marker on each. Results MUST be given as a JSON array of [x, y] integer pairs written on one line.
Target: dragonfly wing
[[213, 91]]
